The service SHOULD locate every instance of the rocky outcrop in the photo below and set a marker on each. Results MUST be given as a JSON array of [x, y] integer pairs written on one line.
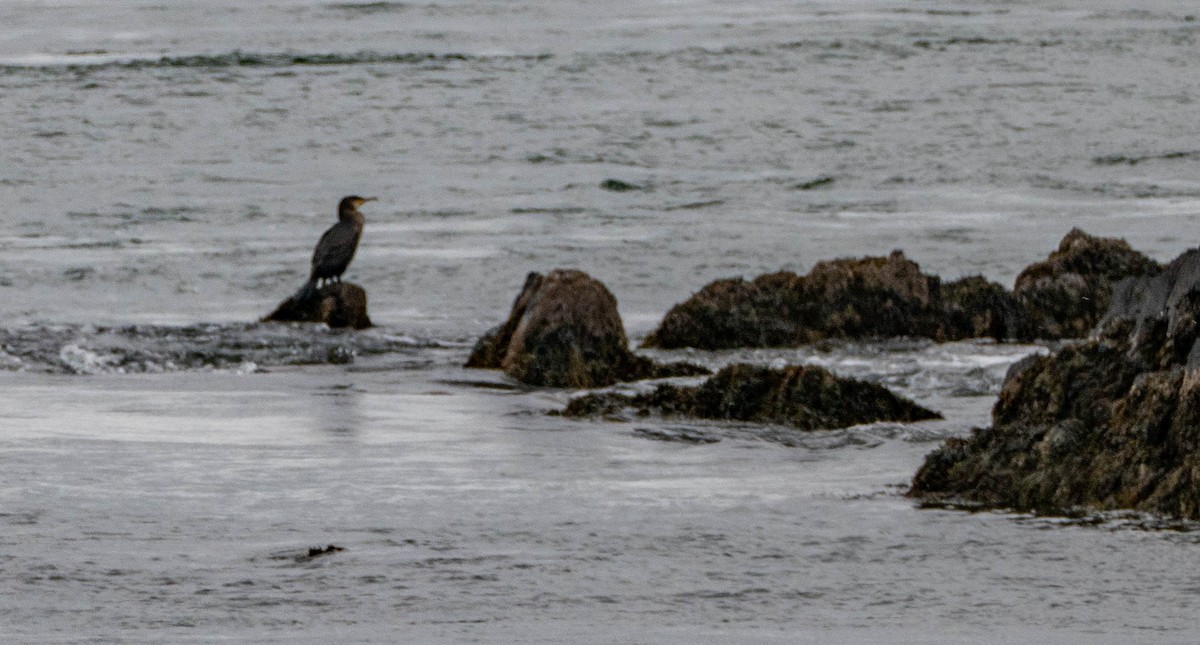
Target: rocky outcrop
[[874, 297], [1109, 423], [1065, 295], [880, 297], [806, 397], [564, 331], [340, 304]]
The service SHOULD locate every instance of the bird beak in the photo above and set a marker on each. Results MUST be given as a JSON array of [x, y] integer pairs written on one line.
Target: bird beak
[[367, 199]]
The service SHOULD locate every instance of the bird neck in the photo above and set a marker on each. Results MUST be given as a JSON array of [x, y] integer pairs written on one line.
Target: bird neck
[[349, 214]]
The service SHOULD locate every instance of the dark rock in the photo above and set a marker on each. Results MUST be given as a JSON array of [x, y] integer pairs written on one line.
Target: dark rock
[[340, 304], [1109, 423], [807, 397], [564, 331], [877, 297], [874, 297], [1065, 295], [974, 307]]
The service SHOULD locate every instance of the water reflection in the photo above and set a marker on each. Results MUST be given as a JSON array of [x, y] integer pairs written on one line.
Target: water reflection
[[337, 410]]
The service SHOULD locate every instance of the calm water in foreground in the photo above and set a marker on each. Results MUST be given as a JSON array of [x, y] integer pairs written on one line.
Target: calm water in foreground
[[165, 464]]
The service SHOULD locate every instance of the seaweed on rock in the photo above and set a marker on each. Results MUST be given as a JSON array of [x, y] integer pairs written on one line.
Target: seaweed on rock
[[806, 397], [1109, 423], [882, 297]]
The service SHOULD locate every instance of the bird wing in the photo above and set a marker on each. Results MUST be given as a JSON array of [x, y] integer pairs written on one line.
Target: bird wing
[[335, 249]]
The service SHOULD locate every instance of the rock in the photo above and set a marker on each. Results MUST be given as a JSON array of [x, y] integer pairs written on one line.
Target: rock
[[974, 307], [564, 331], [1109, 423], [1065, 295], [877, 297], [874, 297], [340, 304], [806, 397]]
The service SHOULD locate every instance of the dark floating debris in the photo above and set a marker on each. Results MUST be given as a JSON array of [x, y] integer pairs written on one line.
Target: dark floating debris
[[618, 186], [308, 555], [318, 551], [814, 183], [1115, 160], [368, 7], [285, 59]]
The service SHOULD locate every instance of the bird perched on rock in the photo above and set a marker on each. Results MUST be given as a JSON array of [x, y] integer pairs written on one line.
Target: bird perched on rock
[[336, 247]]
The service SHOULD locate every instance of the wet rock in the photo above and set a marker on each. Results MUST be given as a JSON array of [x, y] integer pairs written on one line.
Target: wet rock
[[880, 297], [806, 397], [338, 305], [564, 331], [974, 307], [873, 297], [1109, 423], [1065, 295]]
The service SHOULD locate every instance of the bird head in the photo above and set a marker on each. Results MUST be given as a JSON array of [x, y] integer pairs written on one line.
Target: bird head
[[352, 203]]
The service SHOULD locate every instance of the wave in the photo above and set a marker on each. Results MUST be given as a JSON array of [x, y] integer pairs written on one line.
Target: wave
[[368, 7], [107, 60], [132, 349]]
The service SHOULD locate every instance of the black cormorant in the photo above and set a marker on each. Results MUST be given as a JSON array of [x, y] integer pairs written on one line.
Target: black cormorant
[[336, 247]]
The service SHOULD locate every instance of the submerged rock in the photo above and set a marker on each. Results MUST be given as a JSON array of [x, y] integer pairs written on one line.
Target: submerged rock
[[874, 297], [881, 297], [341, 304], [1065, 295], [564, 331], [806, 397], [1109, 423]]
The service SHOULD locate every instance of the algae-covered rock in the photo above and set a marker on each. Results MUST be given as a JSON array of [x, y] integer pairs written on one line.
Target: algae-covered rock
[[564, 331], [341, 304], [1065, 295], [1109, 423], [873, 297], [806, 397], [881, 297], [974, 307]]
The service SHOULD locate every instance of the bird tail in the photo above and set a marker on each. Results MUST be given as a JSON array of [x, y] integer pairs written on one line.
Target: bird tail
[[307, 292]]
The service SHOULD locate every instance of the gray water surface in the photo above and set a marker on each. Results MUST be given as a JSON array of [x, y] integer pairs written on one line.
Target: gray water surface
[[166, 464]]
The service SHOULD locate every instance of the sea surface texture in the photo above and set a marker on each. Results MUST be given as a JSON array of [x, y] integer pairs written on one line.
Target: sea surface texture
[[172, 471]]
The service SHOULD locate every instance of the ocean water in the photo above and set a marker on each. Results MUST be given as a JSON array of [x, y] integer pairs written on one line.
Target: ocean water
[[166, 463]]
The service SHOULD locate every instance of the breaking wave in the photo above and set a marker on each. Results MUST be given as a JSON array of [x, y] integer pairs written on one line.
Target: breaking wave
[[85, 349]]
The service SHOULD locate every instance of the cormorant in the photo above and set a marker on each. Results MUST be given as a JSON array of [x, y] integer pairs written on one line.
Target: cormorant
[[336, 247]]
